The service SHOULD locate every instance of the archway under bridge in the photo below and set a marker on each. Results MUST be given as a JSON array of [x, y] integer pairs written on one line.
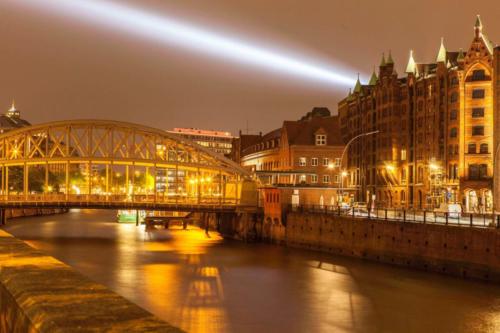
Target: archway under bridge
[[119, 165]]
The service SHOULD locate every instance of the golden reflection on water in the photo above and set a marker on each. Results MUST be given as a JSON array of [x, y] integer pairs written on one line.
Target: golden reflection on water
[[196, 306]]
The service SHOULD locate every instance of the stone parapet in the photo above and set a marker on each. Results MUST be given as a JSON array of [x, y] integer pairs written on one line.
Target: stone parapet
[[41, 294]]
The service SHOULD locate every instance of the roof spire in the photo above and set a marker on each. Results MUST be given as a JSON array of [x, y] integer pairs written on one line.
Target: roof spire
[[441, 57], [389, 59], [478, 27], [357, 87], [373, 78], [13, 106], [411, 67], [382, 62], [461, 55]]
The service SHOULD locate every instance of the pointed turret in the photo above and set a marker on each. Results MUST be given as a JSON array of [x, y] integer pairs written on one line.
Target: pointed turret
[[357, 87], [412, 66], [478, 27], [461, 55], [441, 57], [382, 62], [373, 79], [389, 59]]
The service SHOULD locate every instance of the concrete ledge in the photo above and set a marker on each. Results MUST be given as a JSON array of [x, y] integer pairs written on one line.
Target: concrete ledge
[[41, 294]]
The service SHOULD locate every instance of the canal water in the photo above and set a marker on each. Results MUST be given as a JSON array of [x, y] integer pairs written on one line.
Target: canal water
[[203, 283]]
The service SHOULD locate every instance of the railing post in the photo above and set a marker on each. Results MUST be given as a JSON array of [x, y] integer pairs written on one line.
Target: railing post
[[404, 215], [425, 216], [471, 219], [385, 211], [446, 217], [369, 213], [352, 211], [338, 210]]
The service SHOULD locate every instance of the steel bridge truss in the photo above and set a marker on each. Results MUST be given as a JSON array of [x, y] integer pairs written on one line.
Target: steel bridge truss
[[95, 162]]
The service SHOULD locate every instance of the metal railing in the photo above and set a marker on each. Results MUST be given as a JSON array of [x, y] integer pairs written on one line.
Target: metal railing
[[486, 220]]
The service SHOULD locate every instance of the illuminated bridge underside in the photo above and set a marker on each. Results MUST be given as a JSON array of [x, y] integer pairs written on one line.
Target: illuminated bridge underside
[[107, 164]]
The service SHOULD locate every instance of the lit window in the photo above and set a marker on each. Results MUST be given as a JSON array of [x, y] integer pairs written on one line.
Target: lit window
[[326, 161], [320, 140], [403, 154], [337, 162], [314, 161], [302, 178], [326, 179], [314, 179], [302, 161]]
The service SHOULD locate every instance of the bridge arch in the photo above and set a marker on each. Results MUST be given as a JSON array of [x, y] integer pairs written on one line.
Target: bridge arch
[[116, 164]]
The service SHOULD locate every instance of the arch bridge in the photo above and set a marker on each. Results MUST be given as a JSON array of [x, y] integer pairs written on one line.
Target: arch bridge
[[110, 164]]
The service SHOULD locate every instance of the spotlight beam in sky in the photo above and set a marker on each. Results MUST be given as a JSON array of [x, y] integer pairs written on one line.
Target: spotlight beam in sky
[[172, 32]]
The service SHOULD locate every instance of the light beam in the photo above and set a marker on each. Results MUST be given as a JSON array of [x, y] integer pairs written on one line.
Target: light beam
[[172, 32]]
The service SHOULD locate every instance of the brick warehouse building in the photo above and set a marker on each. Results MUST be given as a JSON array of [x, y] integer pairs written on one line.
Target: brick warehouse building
[[436, 140], [298, 163]]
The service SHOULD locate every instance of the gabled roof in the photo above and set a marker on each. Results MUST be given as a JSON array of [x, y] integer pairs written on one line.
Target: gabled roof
[[303, 132]]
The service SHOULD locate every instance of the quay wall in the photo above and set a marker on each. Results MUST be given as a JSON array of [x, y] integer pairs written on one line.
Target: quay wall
[[26, 212], [41, 294], [455, 250]]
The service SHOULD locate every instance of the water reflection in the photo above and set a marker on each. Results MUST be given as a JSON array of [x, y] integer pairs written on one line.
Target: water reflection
[[211, 285]]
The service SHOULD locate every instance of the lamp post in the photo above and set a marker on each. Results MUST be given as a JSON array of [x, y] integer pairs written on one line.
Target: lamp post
[[343, 172]]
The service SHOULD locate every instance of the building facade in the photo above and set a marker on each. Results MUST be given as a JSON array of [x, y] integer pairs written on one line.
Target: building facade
[[217, 141], [436, 141], [297, 163]]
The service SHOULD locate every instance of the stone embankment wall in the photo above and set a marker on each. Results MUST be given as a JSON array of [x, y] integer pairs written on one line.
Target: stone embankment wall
[[13, 213], [41, 294], [460, 251]]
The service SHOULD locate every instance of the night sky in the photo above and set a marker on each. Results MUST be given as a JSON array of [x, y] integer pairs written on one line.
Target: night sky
[[59, 68]]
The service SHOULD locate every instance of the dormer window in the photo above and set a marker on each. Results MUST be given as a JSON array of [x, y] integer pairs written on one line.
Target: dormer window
[[320, 140]]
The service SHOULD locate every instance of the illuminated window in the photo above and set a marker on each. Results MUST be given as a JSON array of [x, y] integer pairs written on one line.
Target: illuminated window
[[320, 140], [302, 161], [314, 179], [326, 161], [326, 179], [302, 178], [403, 154], [314, 161], [337, 162]]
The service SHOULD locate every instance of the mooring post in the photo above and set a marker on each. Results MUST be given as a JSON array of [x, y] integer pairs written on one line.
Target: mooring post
[[137, 218]]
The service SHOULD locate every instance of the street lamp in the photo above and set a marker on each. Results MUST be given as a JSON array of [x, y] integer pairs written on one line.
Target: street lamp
[[344, 173]]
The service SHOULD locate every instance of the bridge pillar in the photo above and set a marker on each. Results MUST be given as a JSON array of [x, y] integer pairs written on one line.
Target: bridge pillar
[[3, 216]]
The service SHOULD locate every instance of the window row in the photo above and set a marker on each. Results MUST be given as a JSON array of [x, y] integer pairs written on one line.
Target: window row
[[315, 162], [472, 148], [326, 179]]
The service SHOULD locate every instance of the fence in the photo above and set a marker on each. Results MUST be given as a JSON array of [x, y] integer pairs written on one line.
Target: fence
[[405, 215]]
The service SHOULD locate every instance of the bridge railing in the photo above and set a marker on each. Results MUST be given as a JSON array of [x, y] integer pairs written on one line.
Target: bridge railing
[[490, 220], [118, 198]]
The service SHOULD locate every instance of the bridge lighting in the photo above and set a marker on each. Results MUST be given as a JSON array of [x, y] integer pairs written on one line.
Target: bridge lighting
[[171, 32]]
